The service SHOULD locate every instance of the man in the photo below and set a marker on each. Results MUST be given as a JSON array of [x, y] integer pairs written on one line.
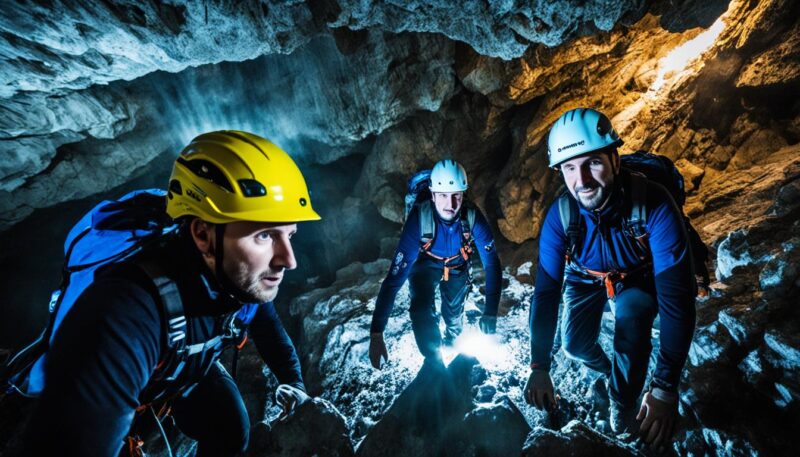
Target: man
[[643, 278], [434, 250], [238, 199]]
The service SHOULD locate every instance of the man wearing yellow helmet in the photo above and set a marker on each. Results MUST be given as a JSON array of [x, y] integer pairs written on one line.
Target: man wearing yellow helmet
[[151, 329]]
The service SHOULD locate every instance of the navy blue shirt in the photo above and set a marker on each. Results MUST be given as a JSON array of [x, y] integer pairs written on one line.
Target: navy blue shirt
[[606, 247], [446, 243], [107, 348]]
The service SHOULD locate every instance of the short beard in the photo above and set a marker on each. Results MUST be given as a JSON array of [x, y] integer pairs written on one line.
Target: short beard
[[592, 203], [249, 284]]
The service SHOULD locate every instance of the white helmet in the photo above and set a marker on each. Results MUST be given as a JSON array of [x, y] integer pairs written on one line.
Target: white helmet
[[448, 176], [577, 132]]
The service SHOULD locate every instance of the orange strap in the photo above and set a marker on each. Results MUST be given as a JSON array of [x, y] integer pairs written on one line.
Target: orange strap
[[464, 253], [134, 446], [609, 279], [241, 345]]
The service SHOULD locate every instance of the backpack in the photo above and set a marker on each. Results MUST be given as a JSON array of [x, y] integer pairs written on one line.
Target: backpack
[[112, 232], [418, 194], [642, 167]]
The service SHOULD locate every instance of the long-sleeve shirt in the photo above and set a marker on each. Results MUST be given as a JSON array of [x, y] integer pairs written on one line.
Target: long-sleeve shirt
[[108, 346], [607, 247], [446, 243]]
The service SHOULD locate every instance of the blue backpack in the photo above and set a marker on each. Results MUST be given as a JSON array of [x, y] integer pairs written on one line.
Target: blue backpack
[[112, 232], [417, 189]]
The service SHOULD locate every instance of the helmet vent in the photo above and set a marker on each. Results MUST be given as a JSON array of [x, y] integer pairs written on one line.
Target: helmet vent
[[175, 187], [603, 126], [252, 188], [208, 171]]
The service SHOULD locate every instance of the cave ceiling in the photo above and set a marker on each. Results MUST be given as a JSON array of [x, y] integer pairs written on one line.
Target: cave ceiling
[[93, 92]]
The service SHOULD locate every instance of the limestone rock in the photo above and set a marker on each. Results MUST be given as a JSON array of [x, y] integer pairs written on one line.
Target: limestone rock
[[435, 415], [315, 428], [575, 439]]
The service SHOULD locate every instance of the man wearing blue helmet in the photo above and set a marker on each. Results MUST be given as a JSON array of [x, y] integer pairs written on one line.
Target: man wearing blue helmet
[[598, 257], [437, 241]]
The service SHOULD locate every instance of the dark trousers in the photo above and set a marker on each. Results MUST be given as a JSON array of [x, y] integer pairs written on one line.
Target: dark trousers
[[635, 309], [213, 413], [425, 276]]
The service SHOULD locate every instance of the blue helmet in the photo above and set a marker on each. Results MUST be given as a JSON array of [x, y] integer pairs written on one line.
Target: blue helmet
[[448, 176], [577, 132]]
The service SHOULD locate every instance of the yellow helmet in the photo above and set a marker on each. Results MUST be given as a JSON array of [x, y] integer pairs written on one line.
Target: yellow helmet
[[230, 176]]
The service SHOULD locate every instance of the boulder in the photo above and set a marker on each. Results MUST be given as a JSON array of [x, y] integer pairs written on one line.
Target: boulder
[[315, 428], [574, 439]]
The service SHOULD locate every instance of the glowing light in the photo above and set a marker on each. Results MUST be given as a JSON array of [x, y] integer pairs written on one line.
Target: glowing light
[[672, 66], [488, 349]]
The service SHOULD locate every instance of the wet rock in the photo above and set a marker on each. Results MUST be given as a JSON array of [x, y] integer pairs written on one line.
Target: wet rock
[[436, 415], [315, 428], [497, 429], [743, 323], [575, 439]]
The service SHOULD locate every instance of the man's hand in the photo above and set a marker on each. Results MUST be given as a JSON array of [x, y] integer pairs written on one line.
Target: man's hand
[[539, 390], [660, 412], [288, 398], [488, 324], [377, 349]]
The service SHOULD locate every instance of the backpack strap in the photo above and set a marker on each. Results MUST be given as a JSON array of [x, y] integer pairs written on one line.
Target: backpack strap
[[571, 222], [427, 226], [636, 220], [467, 216], [173, 321]]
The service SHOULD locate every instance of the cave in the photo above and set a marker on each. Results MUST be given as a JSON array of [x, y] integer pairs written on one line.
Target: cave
[[98, 99]]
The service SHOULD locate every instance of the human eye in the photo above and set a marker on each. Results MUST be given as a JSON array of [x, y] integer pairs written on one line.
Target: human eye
[[264, 236]]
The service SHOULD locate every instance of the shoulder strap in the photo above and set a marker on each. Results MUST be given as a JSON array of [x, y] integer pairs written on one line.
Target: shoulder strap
[[467, 219], [427, 226], [471, 212], [570, 221], [637, 218], [174, 321]]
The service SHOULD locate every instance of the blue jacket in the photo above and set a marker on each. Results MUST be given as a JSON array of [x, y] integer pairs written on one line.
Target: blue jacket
[[108, 346], [605, 247], [447, 242]]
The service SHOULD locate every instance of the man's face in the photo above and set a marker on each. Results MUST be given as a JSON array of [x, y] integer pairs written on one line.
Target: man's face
[[448, 204], [589, 178], [256, 254]]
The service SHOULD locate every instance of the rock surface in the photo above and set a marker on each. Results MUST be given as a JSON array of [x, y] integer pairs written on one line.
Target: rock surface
[[575, 439], [314, 428]]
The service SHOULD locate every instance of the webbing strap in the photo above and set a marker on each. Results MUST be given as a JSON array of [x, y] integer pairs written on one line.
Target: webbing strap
[[571, 222], [427, 226], [428, 229], [637, 218], [611, 278], [174, 321]]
